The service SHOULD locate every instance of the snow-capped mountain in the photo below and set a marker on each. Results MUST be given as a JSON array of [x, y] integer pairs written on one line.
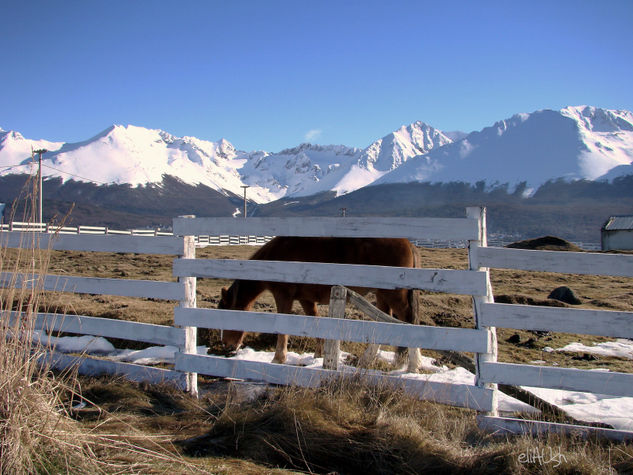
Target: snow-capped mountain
[[572, 143], [14, 148], [390, 152], [301, 171], [309, 169], [134, 155], [408, 141]]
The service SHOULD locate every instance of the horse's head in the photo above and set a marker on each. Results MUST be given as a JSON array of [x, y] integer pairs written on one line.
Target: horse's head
[[231, 339]]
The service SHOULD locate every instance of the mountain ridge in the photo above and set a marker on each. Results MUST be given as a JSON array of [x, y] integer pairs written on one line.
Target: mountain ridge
[[576, 142]]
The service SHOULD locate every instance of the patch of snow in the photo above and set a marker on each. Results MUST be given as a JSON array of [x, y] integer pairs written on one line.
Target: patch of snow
[[621, 348], [151, 355], [70, 344]]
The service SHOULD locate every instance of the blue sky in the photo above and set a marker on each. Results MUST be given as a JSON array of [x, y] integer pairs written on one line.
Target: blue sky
[[271, 74]]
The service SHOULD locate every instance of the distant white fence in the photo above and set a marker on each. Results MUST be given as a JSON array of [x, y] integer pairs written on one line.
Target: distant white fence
[[475, 282], [203, 240]]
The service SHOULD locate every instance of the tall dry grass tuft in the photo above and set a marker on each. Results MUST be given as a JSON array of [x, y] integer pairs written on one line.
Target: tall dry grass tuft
[[37, 432]]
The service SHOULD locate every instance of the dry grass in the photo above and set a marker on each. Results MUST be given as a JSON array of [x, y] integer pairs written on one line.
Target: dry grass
[[346, 428], [37, 431]]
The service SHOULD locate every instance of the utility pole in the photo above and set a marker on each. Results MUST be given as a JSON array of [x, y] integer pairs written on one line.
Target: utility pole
[[39, 178], [245, 186]]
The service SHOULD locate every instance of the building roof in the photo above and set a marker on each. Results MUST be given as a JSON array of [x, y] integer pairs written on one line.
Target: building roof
[[619, 223]]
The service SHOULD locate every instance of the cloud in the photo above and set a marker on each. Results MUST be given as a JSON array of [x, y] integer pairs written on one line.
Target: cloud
[[312, 134]]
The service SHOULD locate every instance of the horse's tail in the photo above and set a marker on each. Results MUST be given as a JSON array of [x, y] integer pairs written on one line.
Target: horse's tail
[[413, 294]]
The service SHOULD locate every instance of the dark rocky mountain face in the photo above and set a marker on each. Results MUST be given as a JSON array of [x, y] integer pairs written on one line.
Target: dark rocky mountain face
[[121, 206], [573, 211]]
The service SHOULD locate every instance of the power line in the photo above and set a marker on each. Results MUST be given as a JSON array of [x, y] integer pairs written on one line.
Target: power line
[[7, 167], [77, 176]]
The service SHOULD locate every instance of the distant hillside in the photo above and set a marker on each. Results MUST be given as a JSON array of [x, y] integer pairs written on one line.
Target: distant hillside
[[122, 205], [574, 211]]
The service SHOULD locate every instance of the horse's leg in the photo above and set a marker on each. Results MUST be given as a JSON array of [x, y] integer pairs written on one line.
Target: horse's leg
[[398, 302], [369, 356], [284, 305], [310, 308]]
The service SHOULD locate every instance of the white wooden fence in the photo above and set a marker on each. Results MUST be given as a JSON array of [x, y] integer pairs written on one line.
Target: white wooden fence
[[469, 282], [475, 282], [568, 320], [109, 328]]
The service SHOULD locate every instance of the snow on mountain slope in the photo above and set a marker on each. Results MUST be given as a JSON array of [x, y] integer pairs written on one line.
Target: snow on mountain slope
[[136, 155], [14, 148], [300, 171], [573, 143], [608, 138], [389, 153], [310, 169], [408, 141]]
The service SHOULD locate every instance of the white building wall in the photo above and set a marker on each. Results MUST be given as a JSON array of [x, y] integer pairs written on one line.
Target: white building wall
[[619, 239]]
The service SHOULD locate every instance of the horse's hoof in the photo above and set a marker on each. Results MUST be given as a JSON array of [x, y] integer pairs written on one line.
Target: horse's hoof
[[279, 360]]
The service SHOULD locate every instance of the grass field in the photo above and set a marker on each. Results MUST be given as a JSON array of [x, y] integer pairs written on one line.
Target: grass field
[[236, 428]]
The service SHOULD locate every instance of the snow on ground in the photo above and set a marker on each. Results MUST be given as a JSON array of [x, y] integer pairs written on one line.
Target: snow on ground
[[613, 410], [621, 348]]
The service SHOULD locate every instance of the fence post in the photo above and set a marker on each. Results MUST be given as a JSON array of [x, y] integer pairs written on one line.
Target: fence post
[[479, 213], [189, 301], [332, 348]]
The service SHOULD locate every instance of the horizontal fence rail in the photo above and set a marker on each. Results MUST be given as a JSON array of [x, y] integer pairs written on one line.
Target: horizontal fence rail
[[131, 371], [108, 327], [570, 379], [411, 228], [351, 275], [95, 285], [169, 245], [435, 338], [556, 261], [567, 320], [459, 395], [509, 425]]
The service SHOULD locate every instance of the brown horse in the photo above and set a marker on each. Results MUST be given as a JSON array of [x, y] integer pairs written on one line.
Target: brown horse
[[401, 303]]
